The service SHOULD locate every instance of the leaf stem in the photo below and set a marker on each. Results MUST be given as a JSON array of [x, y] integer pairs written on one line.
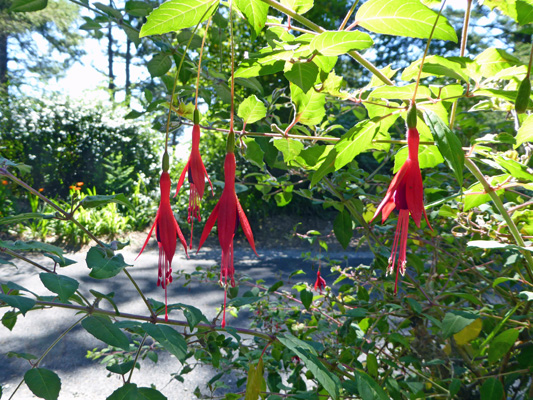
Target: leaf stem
[[348, 15], [20, 257], [232, 45], [464, 37], [36, 364], [501, 208], [137, 357], [317, 28], [413, 100]]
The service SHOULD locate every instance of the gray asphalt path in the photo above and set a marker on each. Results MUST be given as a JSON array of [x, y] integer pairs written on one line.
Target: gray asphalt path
[[86, 379]]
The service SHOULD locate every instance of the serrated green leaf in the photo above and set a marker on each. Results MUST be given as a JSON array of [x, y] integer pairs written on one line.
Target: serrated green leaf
[[290, 148], [62, 285], [342, 227], [493, 60], [43, 383], [100, 200], [175, 15], [28, 5], [251, 110], [256, 381], [455, 322], [9, 319], [24, 304], [492, 389], [525, 133], [357, 140], [169, 338], [309, 106], [306, 297], [302, 74], [336, 43], [104, 266], [299, 6], [401, 92], [254, 153], [193, 315], [449, 145], [468, 333], [101, 327], [403, 18], [308, 354], [502, 344], [256, 12]]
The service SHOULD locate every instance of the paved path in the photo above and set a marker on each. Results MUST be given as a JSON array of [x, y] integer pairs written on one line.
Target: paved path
[[85, 379]]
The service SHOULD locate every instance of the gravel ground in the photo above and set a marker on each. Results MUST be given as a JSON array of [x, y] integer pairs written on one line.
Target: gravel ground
[[86, 379]]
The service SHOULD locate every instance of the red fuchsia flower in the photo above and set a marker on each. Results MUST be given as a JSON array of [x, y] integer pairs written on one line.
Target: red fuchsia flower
[[320, 282], [406, 194], [167, 232], [196, 173], [229, 214]]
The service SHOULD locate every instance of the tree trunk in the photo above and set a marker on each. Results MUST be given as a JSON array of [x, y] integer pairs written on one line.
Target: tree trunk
[[128, 65], [110, 61], [3, 64]]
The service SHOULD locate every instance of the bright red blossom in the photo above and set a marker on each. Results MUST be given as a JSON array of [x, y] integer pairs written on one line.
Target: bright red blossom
[[196, 174], [229, 214], [406, 194], [320, 282], [167, 232]]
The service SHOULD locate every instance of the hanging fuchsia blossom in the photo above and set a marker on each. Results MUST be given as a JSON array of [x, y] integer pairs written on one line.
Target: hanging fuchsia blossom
[[229, 214], [406, 194], [167, 232], [320, 283], [196, 174]]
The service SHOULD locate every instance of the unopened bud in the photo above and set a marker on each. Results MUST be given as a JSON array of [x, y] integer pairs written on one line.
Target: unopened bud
[[196, 117], [230, 144], [411, 116], [166, 162], [522, 97]]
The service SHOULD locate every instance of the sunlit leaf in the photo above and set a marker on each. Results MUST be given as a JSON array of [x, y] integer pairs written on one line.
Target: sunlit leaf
[[337, 43]]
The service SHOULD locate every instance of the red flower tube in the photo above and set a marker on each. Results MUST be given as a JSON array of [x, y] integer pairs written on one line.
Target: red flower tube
[[406, 194], [167, 232], [229, 213], [196, 173]]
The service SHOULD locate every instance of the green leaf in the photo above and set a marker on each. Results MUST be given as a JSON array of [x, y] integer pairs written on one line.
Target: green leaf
[[308, 354], [289, 147], [401, 92], [102, 264], [138, 8], [254, 152], [368, 387], [525, 133], [309, 106], [9, 319], [194, 315], [126, 392], [256, 12], [24, 304], [355, 141], [298, 6], [493, 60], [33, 245], [428, 157], [103, 329], [514, 168], [25, 356], [175, 15], [501, 344], [456, 322], [108, 297], [43, 383], [342, 227], [492, 389], [527, 296], [62, 285], [251, 110], [250, 68], [403, 18], [146, 393], [169, 338], [159, 65], [256, 381], [468, 333], [302, 74], [120, 369], [112, 12], [336, 43], [100, 200], [12, 219], [28, 5], [524, 11], [448, 144], [306, 297]]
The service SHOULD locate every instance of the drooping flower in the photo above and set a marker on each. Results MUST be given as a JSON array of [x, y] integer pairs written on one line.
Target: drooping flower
[[196, 174], [167, 232], [320, 282], [229, 213], [406, 194]]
